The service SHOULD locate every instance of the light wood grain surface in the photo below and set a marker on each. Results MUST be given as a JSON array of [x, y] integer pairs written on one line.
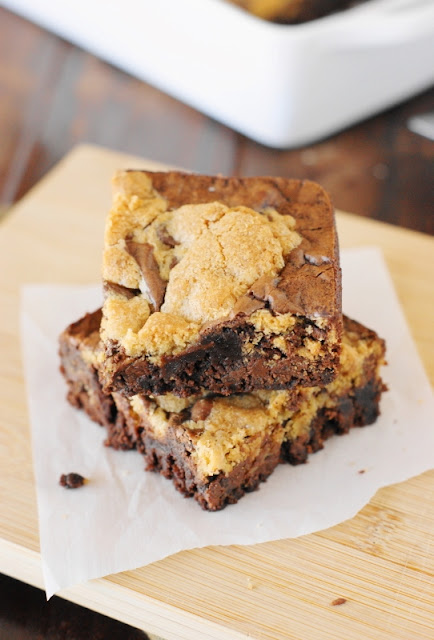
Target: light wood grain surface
[[381, 561]]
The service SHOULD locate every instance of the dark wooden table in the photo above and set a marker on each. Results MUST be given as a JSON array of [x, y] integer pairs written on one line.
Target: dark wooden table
[[54, 95]]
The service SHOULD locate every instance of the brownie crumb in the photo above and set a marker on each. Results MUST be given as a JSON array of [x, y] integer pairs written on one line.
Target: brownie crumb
[[361, 471], [338, 601], [71, 480]]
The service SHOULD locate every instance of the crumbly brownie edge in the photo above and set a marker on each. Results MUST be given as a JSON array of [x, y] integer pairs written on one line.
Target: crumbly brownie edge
[[360, 409], [170, 459], [83, 388], [218, 365]]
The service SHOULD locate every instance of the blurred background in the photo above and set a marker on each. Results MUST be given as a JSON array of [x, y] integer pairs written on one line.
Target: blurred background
[[344, 100], [55, 95]]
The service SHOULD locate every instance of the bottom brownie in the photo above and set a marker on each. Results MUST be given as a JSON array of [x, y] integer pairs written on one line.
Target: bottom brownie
[[218, 448], [79, 350]]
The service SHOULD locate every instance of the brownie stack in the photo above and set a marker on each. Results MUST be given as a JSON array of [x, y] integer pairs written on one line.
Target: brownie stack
[[221, 349]]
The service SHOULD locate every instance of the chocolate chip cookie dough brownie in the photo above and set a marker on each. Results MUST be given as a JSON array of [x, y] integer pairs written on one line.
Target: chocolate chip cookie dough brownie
[[216, 448], [223, 284]]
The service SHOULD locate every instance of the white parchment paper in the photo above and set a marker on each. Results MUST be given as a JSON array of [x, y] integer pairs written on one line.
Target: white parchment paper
[[125, 518]]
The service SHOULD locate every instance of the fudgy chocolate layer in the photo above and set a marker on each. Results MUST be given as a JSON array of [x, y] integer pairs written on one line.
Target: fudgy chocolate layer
[[218, 358]]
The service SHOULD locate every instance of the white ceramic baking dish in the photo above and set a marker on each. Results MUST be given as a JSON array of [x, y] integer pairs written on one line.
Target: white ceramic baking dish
[[282, 85]]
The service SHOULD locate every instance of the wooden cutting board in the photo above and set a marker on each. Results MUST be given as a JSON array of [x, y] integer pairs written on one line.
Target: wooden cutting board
[[381, 561]]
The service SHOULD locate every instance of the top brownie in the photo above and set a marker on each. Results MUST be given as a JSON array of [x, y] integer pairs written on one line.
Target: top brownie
[[223, 284]]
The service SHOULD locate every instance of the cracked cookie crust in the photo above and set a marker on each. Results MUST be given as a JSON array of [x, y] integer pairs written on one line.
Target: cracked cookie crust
[[220, 283]]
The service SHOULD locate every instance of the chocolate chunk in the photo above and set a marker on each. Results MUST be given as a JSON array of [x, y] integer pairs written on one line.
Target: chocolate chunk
[[173, 262], [262, 288], [126, 292], [177, 419], [165, 237], [267, 289], [71, 480], [201, 409], [143, 254], [246, 306]]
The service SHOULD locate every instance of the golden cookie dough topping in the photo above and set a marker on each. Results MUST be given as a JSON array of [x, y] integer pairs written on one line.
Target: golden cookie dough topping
[[170, 272]]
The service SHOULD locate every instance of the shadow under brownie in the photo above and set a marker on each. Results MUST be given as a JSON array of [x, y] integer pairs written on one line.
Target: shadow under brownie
[[217, 448], [224, 284]]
